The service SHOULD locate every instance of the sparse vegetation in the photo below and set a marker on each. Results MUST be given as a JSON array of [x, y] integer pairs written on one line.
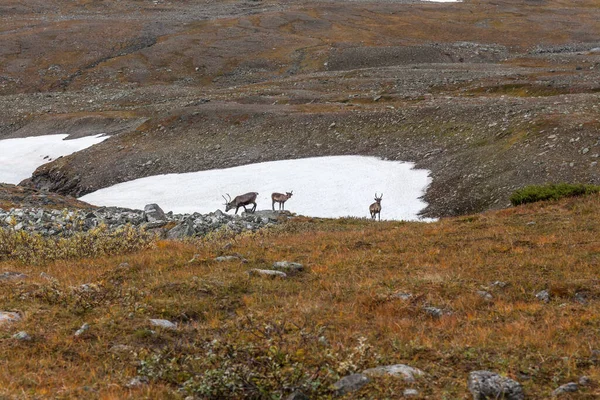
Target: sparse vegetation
[[28, 247], [534, 193]]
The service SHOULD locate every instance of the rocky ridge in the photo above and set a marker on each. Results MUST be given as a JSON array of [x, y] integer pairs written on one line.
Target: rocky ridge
[[67, 222]]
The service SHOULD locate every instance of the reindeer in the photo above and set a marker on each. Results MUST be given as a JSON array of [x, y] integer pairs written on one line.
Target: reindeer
[[375, 208], [281, 199], [241, 201]]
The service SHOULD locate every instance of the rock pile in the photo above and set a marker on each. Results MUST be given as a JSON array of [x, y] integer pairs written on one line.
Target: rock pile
[[70, 221]]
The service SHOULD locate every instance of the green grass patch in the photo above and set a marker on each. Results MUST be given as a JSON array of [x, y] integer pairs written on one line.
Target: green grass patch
[[534, 193]]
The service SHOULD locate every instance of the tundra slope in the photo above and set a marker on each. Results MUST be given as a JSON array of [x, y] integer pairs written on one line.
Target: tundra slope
[[489, 97]]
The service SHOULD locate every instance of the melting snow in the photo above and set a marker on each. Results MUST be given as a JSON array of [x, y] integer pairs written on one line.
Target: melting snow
[[323, 187], [20, 157]]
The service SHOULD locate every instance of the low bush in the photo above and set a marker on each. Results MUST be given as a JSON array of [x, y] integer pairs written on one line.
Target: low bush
[[34, 248], [534, 193]]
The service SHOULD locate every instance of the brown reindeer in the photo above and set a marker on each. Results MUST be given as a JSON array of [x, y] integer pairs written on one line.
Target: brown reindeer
[[241, 201], [375, 208], [281, 199]]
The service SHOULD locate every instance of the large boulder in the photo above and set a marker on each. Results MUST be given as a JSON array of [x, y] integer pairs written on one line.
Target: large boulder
[[153, 213], [489, 385]]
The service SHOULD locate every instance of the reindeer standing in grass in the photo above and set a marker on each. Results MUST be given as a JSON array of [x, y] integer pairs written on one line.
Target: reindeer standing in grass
[[375, 208], [241, 201], [281, 199]]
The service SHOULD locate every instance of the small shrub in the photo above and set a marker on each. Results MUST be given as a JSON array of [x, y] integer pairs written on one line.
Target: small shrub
[[33, 248], [533, 193]]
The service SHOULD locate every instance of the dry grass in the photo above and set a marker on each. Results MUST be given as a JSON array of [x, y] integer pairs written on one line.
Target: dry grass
[[281, 333]]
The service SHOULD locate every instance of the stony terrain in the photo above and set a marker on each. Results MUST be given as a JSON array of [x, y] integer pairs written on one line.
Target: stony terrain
[[490, 96], [68, 222]]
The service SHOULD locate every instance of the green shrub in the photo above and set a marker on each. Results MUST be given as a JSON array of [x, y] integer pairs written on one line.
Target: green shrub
[[533, 193]]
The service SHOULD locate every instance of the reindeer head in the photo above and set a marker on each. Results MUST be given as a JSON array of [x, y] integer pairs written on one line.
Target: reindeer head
[[378, 199], [289, 194], [228, 203]]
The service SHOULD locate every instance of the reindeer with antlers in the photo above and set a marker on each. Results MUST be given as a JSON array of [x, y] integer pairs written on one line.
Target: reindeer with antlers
[[281, 199], [375, 208], [241, 201]]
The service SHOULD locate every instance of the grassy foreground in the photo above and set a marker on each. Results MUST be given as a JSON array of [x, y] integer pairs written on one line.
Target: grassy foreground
[[241, 337]]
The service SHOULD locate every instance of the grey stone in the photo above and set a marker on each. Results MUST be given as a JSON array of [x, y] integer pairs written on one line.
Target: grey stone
[[566, 388], [499, 284], [408, 373], [434, 312], [84, 328], [485, 295], [410, 393], [402, 296], [267, 273], [485, 385], [7, 317], [163, 323], [9, 275], [153, 213], [350, 383], [287, 266], [227, 258], [585, 380], [22, 336], [297, 395], [543, 295]]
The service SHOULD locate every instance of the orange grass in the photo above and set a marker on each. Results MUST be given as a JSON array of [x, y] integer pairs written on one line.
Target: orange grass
[[354, 269]]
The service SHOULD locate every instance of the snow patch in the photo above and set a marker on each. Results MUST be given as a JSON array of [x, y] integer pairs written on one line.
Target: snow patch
[[328, 187], [19, 158]]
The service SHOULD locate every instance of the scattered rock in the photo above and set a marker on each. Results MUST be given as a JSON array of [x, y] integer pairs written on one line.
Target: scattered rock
[[163, 323], [485, 385], [84, 328], [7, 317], [267, 273], [9, 276], [22, 336], [566, 388], [499, 284], [289, 267], [137, 382], [402, 296], [226, 258], [405, 372], [435, 312], [297, 395], [350, 383], [585, 381], [485, 295], [544, 296], [153, 213], [410, 393]]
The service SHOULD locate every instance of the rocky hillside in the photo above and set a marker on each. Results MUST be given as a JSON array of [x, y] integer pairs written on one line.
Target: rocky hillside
[[490, 96]]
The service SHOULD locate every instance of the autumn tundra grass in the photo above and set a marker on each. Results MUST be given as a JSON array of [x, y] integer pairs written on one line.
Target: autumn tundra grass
[[361, 302]]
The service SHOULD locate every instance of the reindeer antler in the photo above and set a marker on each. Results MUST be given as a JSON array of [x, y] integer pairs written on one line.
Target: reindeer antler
[[226, 201]]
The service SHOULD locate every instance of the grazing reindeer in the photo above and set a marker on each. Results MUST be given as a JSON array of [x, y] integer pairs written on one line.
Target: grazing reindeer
[[375, 208], [281, 199], [241, 201]]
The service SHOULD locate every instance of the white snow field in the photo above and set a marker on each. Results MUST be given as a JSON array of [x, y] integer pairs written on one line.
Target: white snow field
[[20, 157], [329, 187]]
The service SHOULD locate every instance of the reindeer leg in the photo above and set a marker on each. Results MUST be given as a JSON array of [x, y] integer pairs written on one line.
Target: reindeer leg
[[254, 208], [236, 209], [273, 205]]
